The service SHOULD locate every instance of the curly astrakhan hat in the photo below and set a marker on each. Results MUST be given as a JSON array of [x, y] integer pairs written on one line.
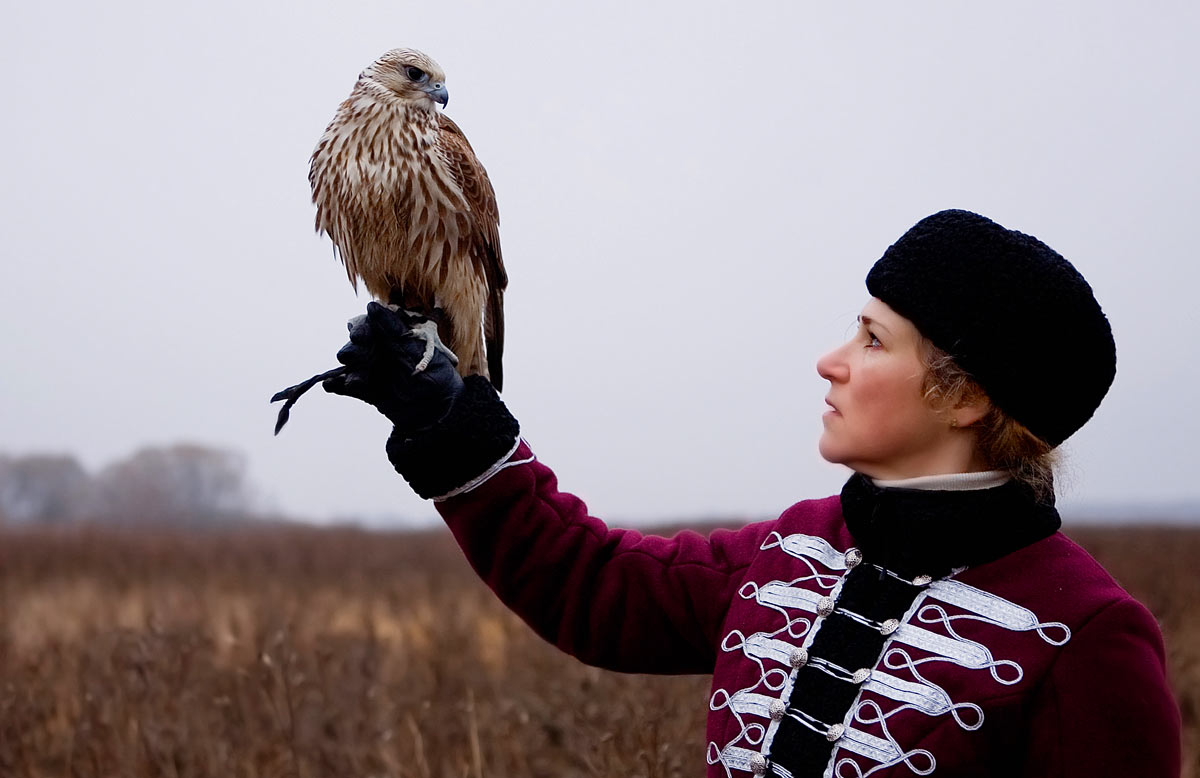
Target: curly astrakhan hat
[[1011, 311]]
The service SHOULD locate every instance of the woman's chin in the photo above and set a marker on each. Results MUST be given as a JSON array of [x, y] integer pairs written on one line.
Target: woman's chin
[[828, 450]]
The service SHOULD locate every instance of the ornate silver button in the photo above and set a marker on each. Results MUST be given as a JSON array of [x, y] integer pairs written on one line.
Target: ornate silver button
[[825, 606], [778, 708], [853, 558], [922, 580], [798, 658], [862, 675], [835, 732], [889, 626], [758, 764]]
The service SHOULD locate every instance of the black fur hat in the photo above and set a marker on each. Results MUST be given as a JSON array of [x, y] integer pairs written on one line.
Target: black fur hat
[[1010, 311]]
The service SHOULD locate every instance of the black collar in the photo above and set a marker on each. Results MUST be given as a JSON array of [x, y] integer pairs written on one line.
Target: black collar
[[928, 532]]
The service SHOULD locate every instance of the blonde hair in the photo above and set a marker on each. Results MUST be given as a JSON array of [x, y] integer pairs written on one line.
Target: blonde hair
[[1002, 442]]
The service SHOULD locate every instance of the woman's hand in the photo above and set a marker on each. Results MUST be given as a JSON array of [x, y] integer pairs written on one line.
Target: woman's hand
[[396, 367]]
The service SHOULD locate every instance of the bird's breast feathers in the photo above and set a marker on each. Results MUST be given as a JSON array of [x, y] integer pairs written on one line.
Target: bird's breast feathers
[[378, 154]]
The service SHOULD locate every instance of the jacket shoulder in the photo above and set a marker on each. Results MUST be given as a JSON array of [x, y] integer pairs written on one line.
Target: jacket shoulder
[[822, 518], [1054, 570]]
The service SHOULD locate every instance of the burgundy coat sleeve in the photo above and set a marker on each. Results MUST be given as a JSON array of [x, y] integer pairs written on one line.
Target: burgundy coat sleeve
[[1106, 708], [613, 598]]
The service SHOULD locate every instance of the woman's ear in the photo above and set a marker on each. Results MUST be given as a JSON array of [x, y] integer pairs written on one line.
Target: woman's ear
[[969, 410]]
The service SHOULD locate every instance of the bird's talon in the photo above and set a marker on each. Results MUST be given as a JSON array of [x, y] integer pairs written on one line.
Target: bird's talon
[[425, 359], [426, 330]]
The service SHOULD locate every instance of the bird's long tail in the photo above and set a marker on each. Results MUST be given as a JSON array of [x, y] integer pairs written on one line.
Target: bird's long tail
[[293, 393]]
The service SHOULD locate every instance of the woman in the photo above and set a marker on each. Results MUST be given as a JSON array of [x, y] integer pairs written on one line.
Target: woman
[[929, 619]]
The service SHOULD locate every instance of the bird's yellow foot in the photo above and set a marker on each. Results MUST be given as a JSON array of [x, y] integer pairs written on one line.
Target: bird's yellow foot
[[425, 328]]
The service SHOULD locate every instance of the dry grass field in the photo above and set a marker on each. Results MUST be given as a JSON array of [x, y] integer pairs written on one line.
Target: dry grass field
[[305, 653]]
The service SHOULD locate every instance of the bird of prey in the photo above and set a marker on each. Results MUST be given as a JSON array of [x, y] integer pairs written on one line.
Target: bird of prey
[[411, 212]]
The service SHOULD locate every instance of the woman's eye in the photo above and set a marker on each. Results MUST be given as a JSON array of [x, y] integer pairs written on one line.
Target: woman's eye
[[415, 74], [872, 341]]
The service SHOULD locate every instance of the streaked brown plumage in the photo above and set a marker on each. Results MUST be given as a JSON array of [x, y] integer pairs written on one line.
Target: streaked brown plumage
[[410, 209]]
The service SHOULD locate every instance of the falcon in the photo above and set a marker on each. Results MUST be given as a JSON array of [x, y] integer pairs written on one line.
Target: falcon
[[412, 214]]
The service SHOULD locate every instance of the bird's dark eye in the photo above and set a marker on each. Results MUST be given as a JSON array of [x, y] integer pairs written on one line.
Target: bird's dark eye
[[416, 74]]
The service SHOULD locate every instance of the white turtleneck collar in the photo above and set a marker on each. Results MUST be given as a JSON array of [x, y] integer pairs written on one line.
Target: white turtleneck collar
[[949, 482]]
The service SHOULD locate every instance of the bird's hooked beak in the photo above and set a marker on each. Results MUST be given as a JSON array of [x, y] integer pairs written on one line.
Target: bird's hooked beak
[[438, 92]]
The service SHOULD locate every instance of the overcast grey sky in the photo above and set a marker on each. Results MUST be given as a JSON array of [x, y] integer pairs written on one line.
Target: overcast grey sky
[[690, 193]]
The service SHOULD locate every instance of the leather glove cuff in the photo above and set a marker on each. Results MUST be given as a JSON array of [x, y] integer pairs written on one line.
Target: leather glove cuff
[[471, 439]]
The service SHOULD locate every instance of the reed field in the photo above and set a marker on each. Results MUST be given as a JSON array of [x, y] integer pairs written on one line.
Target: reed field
[[300, 653]]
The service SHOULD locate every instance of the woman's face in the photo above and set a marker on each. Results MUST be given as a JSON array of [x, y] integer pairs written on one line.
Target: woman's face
[[879, 422]]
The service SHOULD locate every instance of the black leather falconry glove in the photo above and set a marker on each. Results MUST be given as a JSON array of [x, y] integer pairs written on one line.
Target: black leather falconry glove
[[393, 367], [449, 431]]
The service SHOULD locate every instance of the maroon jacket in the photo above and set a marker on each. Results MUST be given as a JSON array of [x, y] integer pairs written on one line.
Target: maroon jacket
[[884, 632], [1035, 664]]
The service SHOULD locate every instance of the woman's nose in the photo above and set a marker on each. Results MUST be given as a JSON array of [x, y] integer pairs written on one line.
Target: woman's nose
[[832, 366]]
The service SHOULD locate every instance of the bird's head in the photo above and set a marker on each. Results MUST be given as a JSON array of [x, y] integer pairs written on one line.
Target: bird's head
[[410, 76]]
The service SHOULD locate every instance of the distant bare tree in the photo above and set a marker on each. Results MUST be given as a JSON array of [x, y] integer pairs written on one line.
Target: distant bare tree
[[43, 488], [184, 483]]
